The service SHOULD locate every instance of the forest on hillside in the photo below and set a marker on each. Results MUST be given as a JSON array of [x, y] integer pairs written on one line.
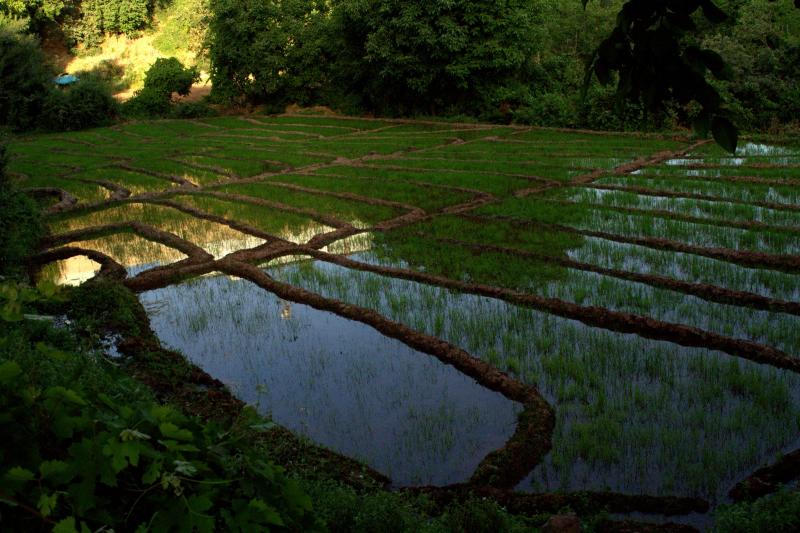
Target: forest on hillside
[[519, 60]]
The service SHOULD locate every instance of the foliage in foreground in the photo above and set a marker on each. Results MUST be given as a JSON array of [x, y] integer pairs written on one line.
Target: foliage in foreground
[[85, 447], [778, 512], [85, 105], [343, 510]]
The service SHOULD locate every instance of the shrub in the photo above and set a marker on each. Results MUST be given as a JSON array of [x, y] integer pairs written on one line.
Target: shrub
[[86, 104], [165, 77], [548, 109], [26, 80]]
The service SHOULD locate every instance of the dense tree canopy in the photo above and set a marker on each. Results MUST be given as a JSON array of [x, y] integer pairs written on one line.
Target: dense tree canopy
[[282, 55], [461, 56], [663, 63], [84, 20]]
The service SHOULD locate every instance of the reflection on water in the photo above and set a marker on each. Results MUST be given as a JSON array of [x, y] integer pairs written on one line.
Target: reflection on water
[[72, 271], [216, 239], [337, 381], [752, 149], [757, 152], [285, 225], [133, 252]]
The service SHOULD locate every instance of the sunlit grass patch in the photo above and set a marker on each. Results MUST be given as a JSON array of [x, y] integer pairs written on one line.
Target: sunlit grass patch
[[133, 252], [289, 226], [198, 176], [135, 182], [84, 192], [216, 239], [359, 214]]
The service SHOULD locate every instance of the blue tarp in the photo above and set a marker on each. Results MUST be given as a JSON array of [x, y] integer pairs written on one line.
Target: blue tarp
[[66, 79]]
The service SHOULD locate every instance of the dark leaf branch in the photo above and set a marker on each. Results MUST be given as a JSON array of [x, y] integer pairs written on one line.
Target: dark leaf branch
[[655, 64]]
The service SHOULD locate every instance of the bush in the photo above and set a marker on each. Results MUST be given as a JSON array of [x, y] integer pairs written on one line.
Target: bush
[[165, 77], [26, 80], [549, 109], [86, 104], [168, 76]]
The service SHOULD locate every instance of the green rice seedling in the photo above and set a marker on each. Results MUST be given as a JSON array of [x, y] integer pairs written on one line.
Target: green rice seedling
[[647, 402], [359, 214], [216, 239], [289, 226]]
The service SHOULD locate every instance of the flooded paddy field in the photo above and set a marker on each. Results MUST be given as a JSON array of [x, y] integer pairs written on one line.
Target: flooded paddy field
[[531, 311]]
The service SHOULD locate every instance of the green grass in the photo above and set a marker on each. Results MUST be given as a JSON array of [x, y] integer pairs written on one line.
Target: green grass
[[480, 182], [354, 212], [626, 407], [377, 186], [289, 226], [745, 192], [135, 182]]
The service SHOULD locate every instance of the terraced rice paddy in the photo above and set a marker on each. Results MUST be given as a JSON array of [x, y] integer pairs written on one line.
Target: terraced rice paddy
[[528, 310]]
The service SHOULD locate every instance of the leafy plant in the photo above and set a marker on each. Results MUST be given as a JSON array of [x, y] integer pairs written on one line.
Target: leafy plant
[[84, 449], [287, 54]]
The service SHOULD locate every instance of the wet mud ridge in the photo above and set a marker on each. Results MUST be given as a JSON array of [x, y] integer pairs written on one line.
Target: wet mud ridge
[[500, 471]]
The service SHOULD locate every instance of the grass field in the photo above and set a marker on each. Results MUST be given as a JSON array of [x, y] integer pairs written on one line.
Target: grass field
[[520, 308]]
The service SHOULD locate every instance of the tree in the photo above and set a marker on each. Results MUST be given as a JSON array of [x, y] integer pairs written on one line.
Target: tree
[[35, 10], [459, 56], [761, 45], [656, 60], [26, 80], [268, 51]]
